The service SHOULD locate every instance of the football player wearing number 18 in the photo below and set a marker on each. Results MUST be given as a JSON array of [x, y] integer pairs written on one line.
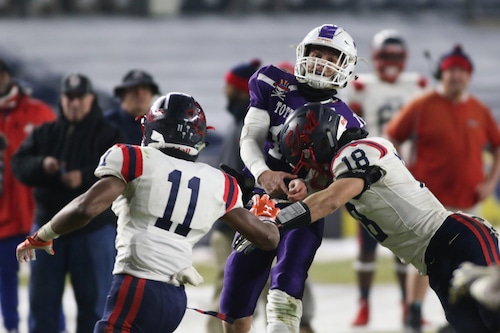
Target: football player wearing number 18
[[165, 202], [400, 212]]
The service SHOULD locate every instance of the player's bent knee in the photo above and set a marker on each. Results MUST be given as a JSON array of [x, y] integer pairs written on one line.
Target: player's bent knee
[[283, 312]]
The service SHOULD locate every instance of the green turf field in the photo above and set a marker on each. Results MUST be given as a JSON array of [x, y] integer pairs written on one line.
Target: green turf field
[[340, 272]]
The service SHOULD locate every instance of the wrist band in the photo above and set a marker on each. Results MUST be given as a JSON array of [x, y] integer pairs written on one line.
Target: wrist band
[[46, 233], [294, 216]]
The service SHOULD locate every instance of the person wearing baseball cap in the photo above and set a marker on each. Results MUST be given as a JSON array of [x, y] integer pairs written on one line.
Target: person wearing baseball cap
[[135, 93], [77, 97], [58, 160]]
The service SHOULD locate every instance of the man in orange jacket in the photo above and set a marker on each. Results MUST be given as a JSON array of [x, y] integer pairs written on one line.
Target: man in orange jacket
[[19, 114]]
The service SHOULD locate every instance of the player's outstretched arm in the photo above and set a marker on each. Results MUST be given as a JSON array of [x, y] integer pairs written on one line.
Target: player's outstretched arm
[[327, 201], [256, 226], [75, 215]]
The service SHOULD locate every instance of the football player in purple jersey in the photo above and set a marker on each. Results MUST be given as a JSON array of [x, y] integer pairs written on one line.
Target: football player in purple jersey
[[326, 59]]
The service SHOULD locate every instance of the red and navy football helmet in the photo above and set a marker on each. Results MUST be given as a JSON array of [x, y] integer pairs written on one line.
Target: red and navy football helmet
[[177, 122], [389, 54], [310, 136]]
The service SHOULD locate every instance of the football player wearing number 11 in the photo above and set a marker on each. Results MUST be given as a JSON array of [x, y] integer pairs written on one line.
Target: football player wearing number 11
[[165, 202], [400, 212]]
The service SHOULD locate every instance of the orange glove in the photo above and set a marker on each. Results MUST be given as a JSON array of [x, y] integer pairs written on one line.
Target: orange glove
[[265, 209], [264, 206], [26, 250]]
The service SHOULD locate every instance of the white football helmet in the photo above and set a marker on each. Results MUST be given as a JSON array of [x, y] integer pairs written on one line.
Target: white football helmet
[[311, 70], [389, 54]]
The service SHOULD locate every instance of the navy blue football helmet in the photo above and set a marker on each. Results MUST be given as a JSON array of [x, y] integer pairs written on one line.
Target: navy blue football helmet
[[310, 136], [175, 122]]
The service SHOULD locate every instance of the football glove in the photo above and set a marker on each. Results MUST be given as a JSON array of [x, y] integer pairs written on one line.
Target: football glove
[[26, 250], [265, 209], [241, 244]]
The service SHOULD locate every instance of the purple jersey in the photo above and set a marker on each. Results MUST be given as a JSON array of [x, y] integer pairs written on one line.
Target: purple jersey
[[245, 275], [277, 91]]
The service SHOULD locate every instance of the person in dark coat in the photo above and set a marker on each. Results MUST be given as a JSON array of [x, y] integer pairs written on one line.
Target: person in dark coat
[[58, 159]]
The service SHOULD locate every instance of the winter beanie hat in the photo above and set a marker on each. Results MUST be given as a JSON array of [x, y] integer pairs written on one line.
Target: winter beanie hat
[[456, 58], [238, 76]]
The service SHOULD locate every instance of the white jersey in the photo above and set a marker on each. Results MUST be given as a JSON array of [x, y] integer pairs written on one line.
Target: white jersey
[[397, 210], [167, 206], [379, 100]]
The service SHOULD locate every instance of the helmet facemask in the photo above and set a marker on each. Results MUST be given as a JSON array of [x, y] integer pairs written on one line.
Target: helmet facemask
[[322, 74], [389, 55]]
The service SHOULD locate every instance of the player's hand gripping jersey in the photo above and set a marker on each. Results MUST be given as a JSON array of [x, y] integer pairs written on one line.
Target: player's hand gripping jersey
[[398, 224], [156, 232]]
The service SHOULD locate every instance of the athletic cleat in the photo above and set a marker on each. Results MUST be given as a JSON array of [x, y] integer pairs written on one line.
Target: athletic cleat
[[405, 315], [413, 322], [363, 315]]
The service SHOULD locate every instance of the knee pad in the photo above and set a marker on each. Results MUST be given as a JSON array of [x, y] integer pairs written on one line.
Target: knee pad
[[283, 312]]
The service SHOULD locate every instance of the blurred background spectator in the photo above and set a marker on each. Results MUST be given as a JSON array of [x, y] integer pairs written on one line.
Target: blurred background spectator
[[135, 93], [19, 115], [58, 160]]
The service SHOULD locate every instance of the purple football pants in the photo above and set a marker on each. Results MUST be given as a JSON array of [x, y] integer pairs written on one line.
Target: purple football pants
[[245, 275]]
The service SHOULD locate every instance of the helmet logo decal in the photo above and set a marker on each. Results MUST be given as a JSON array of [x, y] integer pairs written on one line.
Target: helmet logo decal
[[327, 31], [154, 114], [296, 139]]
